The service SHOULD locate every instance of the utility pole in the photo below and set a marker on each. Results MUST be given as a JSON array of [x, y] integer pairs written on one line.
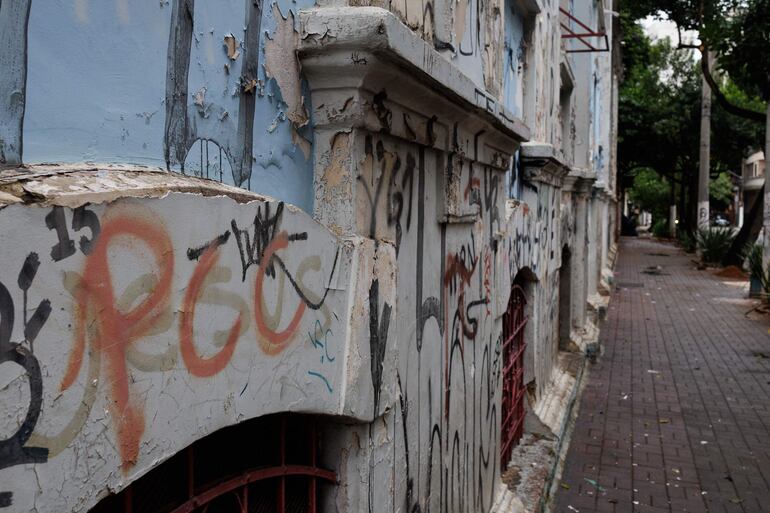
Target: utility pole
[[705, 151], [766, 223]]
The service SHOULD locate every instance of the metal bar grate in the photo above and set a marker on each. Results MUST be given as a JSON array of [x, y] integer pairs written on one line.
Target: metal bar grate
[[219, 474], [514, 323]]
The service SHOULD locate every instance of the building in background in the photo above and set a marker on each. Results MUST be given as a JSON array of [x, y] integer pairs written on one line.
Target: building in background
[[304, 256], [753, 178]]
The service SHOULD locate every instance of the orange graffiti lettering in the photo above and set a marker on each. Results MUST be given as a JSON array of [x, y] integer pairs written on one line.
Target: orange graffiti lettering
[[198, 366], [276, 341], [115, 330]]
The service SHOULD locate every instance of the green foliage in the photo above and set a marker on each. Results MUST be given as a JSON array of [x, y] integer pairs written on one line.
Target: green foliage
[[714, 243], [660, 228], [688, 243], [721, 191], [738, 30], [658, 108], [742, 41], [651, 193], [757, 269], [754, 260], [660, 95]]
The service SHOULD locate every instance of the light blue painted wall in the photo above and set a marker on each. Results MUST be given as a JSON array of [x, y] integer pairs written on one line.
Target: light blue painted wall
[[513, 59], [96, 90]]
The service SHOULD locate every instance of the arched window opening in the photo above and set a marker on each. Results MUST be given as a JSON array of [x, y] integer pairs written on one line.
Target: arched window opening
[[565, 299], [268, 464], [514, 391]]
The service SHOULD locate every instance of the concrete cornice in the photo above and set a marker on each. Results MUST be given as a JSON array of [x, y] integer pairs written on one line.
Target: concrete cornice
[[543, 164], [579, 180], [369, 49]]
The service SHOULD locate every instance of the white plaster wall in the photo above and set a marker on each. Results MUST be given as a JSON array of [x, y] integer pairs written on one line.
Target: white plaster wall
[[150, 343]]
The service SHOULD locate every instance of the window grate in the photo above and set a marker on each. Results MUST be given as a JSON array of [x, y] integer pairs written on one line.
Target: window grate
[[514, 323], [265, 465]]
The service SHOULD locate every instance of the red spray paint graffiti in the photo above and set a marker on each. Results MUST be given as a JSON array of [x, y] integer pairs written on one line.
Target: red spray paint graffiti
[[276, 341], [116, 330], [197, 365]]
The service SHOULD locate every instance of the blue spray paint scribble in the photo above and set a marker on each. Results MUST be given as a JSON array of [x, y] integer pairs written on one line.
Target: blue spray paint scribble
[[321, 376], [319, 339]]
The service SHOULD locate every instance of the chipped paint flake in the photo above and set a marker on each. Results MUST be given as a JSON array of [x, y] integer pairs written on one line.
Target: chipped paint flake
[[231, 44], [281, 64]]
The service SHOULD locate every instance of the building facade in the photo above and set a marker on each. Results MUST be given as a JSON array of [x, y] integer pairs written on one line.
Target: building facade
[[427, 187]]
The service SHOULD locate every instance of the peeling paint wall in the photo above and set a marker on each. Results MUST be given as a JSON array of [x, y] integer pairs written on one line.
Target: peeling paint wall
[[212, 89], [148, 315], [437, 442], [426, 181]]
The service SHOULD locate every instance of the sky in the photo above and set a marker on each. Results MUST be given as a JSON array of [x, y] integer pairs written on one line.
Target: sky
[[660, 29]]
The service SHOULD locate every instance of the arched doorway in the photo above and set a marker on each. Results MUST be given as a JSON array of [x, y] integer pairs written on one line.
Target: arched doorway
[[514, 345], [268, 464], [565, 299]]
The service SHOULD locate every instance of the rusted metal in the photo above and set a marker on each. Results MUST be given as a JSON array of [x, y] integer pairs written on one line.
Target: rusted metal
[[512, 411], [243, 480], [231, 492], [569, 33]]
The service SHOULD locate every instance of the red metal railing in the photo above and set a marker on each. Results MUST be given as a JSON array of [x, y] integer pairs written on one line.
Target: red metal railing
[[514, 322], [589, 33], [284, 479]]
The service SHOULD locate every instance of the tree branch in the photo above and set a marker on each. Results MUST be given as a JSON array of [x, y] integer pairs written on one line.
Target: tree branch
[[721, 98], [736, 110]]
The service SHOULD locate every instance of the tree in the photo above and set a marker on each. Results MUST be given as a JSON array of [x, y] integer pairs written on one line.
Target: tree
[[721, 191], [659, 113], [738, 31], [650, 193], [743, 44]]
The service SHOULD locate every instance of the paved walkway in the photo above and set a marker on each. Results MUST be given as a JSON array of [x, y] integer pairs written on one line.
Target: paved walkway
[[675, 415]]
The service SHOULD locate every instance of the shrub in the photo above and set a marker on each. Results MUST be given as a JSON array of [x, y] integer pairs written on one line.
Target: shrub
[[714, 243], [660, 228], [754, 254], [687, 241], [754, 260]]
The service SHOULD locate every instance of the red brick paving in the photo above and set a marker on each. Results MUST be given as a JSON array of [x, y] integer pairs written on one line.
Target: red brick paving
[[675, 415]]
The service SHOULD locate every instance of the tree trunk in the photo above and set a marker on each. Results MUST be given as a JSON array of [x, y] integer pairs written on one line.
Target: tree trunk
[[756, 217], [766, 192], [683, 223], [704, 167], [692, 203], [752, 224]]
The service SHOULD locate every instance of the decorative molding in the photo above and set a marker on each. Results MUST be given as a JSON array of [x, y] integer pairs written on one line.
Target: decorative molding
[[541, 163], [369, 50]]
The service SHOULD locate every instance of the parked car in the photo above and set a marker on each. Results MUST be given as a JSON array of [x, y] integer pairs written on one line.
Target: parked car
[[721, 220]]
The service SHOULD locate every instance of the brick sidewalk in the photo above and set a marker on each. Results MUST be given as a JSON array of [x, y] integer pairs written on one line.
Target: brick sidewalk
[[675, 415]]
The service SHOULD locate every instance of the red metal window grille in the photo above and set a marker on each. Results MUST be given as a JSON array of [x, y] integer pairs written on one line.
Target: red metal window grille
[[514, 322], [264, 465]]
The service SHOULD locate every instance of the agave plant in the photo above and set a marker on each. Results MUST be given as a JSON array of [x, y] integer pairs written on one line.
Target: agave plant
[[688, 243], [714, 243], [754, 261]]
